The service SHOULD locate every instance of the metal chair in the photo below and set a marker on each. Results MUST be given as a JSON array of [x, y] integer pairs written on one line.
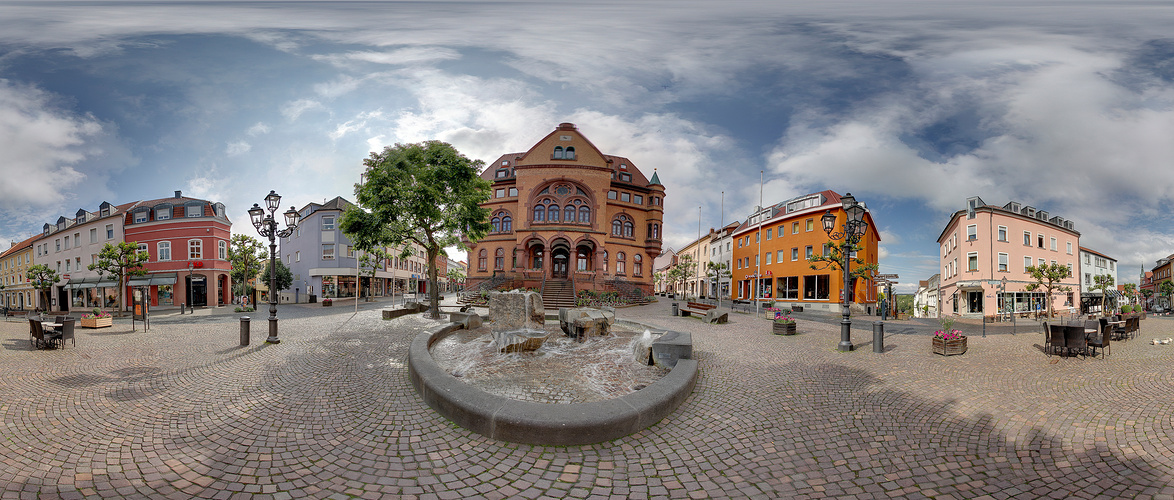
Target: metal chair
[[67, 327], [1055, 339], [1102, 339], [39, 339], [1074, 340]]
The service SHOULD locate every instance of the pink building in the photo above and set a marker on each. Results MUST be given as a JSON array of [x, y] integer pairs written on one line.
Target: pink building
[[984, 245], [188, 240]]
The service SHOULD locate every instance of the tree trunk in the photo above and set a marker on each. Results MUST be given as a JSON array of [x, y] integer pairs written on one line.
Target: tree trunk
[[433, 291]]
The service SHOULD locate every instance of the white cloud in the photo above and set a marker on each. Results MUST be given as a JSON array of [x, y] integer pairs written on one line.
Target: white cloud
[[237, 148], [40, 144], [258, 129], [294, 109], [405, 56]]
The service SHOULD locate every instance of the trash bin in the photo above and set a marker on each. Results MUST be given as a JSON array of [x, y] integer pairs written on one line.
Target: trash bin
[[313, 299], [676, 309]]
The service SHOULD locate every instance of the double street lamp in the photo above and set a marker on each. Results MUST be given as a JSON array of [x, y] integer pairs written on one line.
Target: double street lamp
[[267, 227], [852, 230]]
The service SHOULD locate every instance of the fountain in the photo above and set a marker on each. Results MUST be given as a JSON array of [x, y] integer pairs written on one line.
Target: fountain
[[517, 379]]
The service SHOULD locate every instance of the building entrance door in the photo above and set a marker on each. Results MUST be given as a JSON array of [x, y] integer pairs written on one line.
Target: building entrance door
[[560, 264], [975, 299], [197, 290]]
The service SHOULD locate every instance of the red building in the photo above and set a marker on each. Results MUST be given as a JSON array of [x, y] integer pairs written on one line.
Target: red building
[[188, 240]]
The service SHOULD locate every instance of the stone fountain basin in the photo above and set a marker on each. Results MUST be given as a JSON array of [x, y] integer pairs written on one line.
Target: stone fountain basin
[[517, 421]]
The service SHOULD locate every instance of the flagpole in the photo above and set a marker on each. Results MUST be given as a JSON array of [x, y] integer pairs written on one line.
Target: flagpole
[[758, 256]]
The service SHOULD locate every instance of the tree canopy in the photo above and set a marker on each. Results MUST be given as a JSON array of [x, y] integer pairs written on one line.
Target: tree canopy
[[42, 278], [833, 258], [248, 257], [284, 276], [120, 262], [716, 272], [1048, 277], [427, 193]]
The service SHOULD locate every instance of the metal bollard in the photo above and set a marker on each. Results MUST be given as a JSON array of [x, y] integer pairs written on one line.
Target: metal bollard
[[878, 336], [182, 306], [244, 330]]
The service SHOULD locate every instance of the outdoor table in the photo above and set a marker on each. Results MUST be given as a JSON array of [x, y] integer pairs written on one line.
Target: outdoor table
[[51, 325]]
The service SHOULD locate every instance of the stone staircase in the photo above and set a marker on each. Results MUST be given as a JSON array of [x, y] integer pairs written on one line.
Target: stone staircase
[[558, 293], [627, 289]]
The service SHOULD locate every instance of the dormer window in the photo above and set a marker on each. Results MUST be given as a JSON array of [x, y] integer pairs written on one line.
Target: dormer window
[[141, 216], [194, 210], [625, 177], [163, 212], [503, 173]]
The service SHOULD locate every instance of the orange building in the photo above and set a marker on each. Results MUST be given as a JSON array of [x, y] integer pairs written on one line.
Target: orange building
[[566, 216], [772, 248]]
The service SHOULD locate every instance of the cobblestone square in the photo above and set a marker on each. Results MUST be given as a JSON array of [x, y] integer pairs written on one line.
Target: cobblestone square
[[182, 411]]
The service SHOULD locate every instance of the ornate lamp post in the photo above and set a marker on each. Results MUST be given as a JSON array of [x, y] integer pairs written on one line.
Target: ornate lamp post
[[267, 227], [852, 230]]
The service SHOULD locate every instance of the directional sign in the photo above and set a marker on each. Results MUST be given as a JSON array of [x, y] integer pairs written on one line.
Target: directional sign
[[886, 276]]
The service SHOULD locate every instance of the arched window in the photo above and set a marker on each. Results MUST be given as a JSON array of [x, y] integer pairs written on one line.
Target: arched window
[[656, 231], [622, 226], [499, 260], [617, 228], [558, 152], [605, 261], [496, 222], [507, 224], [570, 153], [637, 265], [628, 229], [552, 213], [482, 259], [569, 213], [620, 261], [539, 213], [584, 214]]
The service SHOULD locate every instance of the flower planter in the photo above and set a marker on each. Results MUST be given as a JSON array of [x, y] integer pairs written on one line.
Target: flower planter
[[949, 347], [783, 328], [96, 322], [327, 303]]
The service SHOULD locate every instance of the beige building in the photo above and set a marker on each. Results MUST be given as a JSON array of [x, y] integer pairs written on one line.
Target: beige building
[[14, 262], [698, 251]]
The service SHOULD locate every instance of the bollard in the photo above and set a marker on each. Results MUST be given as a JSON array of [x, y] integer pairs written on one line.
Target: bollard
[[244, 330], [182, 306], [878, 336]]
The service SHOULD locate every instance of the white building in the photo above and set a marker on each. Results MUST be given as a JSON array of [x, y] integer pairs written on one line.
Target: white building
[[721, 250], [925, 301], [1092, 264]]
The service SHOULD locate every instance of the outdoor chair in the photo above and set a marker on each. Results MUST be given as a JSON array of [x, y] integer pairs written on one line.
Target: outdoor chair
[[1101, 339], [67, 332], [1074, 340], [1133, 326], [1120, 332], [1055, 340], [39, 339]]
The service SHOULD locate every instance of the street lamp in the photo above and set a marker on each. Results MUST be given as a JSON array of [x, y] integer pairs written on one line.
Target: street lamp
[[267, 227], [852, 230]]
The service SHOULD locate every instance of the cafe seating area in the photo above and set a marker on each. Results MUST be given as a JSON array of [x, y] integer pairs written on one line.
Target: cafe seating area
[[1090, 336], [51, 333]]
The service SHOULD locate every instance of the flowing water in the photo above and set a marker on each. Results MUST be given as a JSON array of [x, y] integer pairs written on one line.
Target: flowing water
[[561, 371]]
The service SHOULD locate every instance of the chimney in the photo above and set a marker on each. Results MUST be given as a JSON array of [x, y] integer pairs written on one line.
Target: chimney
[[178, 194]]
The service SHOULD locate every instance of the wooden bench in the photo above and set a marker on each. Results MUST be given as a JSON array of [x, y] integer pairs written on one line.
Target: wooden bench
[[708, 311], [695, 307]]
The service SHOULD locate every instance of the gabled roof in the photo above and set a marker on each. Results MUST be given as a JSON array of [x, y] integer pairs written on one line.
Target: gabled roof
[[28, 242]]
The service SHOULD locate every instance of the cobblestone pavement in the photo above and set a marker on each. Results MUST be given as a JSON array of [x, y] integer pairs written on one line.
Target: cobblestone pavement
[[181, 411]]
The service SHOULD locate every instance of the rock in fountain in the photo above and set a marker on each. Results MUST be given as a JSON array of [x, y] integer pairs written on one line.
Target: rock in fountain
[[516, 320], [583, 322]]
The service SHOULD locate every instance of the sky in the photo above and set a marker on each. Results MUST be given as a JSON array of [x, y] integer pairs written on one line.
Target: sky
[[912, 106]]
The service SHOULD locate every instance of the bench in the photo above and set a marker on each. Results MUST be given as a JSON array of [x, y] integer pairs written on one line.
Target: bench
[[709, 311], [695, 307]]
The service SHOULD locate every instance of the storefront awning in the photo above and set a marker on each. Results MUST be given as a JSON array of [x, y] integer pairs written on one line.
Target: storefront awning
[[153, 279], [76, 283]]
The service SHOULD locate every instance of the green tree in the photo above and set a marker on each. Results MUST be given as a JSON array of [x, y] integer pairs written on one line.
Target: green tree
[[1166, 289], [1130, 290], [121, 261], [455, 277], [42, 278], [427, 193], [659, 277], [1104, 283], [1049, 277], [833, 259], [716, 272], [284, 276], [1147, 293], [248, 256], [370, 263], [684, 271]]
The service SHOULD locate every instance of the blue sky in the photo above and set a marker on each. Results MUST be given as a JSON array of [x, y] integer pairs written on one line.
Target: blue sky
[[912, 106]]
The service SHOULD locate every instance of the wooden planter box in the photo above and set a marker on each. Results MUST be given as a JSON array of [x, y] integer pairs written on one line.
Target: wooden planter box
[[949, 347], [783, 328], [327, 303], [96, 322]]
